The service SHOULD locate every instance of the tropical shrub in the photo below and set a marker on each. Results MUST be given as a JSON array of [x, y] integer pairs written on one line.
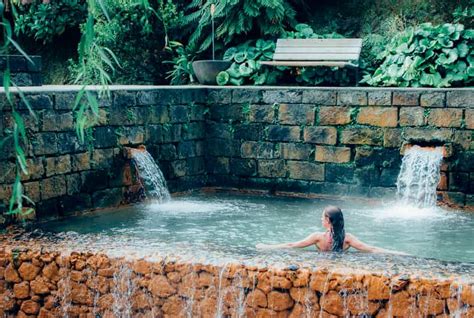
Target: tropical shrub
[[427, 55], [182, 72], [236, 20], [44, 21], [136, 35], [246, 67]]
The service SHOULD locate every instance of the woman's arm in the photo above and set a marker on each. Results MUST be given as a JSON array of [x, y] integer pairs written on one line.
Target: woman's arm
[[310, 240], [355, 243]]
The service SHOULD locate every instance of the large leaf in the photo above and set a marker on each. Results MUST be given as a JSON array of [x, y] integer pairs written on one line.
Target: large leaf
[[229, 54], [448, 57], [222, 78], [240, 56], [432, 80]]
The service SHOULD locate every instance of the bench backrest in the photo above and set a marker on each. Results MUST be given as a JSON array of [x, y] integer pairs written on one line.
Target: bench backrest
[[317, 49]]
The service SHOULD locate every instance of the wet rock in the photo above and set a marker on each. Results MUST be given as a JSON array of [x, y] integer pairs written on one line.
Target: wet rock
[[280, 282], [304, 296], [431, 305], [333, 303], [160, 286], [30, 307], [80, 294], [11, 275], [256, 298], [21, 290], [378, 288], [28, 271], [279, 301], [39, 286], [267, 313], [142, 267]]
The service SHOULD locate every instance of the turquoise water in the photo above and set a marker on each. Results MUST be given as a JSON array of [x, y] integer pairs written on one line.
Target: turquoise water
[[227, 227]]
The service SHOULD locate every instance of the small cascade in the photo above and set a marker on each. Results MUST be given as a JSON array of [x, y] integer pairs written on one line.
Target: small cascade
[[122, 292], [419, 176], [151, 175]]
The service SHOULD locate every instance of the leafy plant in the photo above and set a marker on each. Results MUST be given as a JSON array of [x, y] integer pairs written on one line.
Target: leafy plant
[[236, 19], [43, 21], [246, 67], [182, 72], [427, 55]]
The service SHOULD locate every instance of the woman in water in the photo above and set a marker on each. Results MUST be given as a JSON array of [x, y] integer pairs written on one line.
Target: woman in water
[[334, 239]]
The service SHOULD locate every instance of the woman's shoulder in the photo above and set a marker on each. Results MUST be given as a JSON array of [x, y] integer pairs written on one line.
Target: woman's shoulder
[[349, 237]]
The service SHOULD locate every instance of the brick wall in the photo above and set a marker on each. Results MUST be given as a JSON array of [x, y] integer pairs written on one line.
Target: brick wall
[[23, 72], [326, 141]]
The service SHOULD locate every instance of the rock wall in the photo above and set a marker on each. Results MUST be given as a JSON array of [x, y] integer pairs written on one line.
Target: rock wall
[[23, 72], [47, 284], [335, 141]]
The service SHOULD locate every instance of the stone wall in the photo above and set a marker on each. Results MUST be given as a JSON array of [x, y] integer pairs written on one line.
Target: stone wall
[[335, 141], [22, 71], [46, 284]]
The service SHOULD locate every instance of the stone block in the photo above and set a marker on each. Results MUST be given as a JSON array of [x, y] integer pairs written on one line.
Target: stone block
[[76, 203], [459, 182], [219, 130], [154, 134], [380, 98], [246, 95], [58, 165], [320, 135], [179, 168], [35, 169], [102, 158], [463, 138], [243, 167], [167, 152], [352, 98], [197, 112], [148, 97], [427, 135], [219, 96], [222, 147], [105, 137], [406, 98], [69, 143], [45, 144], [367, 176], [388, 177], [129, 116], [339, 173], [296, 114], [179, 113], [124, 99], [53, 187], [252, 132], [454, 198], [218, 165], [172, 133], [378, 116], [305, 170], [57, 122], [412, 116], [282, 96], [283, 133], [196, 166], [446, 117], [7, 172], [258, 150], [392, 138], [433, 99], [73, 183], [334, 115], [94, 180], [193, 131], [261, 113], [36, 102], [460, 98], [469, 119], [296, 151], [46, 209], [107, 198], [464, 162], [333, 154], [226, 113], [32, 190], [65, 101], [379, 157], [319, 97], [158, 115], [271, 168], [186, 149], [133, 135], [362, 136]]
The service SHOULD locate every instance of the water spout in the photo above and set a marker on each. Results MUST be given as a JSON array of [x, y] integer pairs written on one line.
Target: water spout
[[420, 175]]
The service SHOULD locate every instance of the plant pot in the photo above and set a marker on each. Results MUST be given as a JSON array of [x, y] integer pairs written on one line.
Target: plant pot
[[207, 70]]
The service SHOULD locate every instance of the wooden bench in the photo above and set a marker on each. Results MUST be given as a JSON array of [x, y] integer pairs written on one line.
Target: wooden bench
[[316, 52]]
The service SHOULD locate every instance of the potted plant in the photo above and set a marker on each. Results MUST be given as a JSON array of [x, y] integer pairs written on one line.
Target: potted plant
[[207, 70]]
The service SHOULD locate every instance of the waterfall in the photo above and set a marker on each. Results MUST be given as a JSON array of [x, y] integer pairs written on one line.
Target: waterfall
[[151, 175], [419, 176]]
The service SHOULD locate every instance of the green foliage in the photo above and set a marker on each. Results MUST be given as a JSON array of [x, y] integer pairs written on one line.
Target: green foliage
[[136, 35], [433, 56], [182, 72], [236, 19], [246, 67], [45, 21]]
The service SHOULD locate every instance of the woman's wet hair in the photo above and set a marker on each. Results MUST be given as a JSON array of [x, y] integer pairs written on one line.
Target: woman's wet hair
[[334, 214]]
